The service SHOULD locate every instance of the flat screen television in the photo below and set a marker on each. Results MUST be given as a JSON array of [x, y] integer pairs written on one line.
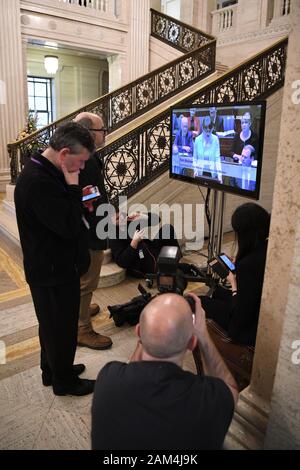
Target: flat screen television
[[219, 146]]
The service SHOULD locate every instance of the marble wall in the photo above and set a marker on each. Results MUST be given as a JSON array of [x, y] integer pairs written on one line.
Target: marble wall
[[276, 359]]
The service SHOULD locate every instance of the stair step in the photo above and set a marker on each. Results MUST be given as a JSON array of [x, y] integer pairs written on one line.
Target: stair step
[[8, 225], [111, 274], [107, 257]]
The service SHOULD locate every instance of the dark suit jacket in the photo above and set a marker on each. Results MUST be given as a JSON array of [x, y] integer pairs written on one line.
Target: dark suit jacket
[[93, 174], [218, 125]]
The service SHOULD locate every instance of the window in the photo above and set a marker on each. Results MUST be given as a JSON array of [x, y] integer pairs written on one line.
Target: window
[[40, 99]]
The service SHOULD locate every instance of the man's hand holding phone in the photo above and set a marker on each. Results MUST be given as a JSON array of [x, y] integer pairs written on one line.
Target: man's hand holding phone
[[89, 195]]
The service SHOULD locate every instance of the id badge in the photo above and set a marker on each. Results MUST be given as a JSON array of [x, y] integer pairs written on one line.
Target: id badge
[[141, 254]]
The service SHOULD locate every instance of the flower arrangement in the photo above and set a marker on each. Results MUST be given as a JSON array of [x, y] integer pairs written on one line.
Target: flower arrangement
[[30, 126]]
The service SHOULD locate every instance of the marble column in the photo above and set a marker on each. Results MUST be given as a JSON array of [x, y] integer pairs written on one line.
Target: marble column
[[118, 71], [273, 399], [285, 214], [139, 36], [187, 11], [202, 14], [12, 107], [284, 419]]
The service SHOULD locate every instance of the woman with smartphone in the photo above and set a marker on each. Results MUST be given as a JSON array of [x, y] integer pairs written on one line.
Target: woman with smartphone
[[237, 310]]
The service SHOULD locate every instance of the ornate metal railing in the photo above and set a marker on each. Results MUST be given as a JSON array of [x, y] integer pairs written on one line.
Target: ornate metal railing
[[132, 100], [138, 157], [183, 37]]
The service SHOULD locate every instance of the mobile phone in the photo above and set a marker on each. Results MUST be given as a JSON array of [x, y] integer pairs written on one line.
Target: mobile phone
[[92, 194], [227, 262]]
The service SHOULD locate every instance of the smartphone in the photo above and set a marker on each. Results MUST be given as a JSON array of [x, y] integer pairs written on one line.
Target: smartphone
[[227, 262], [93, 194]]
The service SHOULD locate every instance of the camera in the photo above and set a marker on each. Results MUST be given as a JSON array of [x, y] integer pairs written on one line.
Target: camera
[[173, 276], [89, 194]]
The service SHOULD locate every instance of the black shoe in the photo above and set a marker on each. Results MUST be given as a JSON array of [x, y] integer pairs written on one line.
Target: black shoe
[[82, 387], [77, 369]]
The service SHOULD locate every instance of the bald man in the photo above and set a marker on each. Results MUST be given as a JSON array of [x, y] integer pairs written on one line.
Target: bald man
[[92, 175], [152, 403]]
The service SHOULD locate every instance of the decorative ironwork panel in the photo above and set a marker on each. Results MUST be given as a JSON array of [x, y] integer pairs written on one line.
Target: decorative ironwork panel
[[121, 168], [187, 71], [227, 91], [252, 81], [275, 67], [158, 144], [189, 40], [121, 104], [167, 81], [145, 93]]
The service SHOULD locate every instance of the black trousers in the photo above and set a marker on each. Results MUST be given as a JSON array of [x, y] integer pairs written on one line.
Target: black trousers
[[57, 310], [218, 307]]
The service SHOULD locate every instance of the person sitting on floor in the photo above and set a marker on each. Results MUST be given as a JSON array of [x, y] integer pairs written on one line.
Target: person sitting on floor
[[135, 252], [237, 310]]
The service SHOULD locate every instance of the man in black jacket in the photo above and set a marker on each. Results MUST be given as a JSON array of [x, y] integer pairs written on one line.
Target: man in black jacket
[[92, 175], [151, 403], [49, 209]]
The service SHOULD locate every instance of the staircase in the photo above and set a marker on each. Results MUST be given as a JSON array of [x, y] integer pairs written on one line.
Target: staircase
[[137, 115]]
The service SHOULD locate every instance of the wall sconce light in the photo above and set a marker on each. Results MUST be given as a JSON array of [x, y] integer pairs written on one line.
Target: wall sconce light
[[51, 64]]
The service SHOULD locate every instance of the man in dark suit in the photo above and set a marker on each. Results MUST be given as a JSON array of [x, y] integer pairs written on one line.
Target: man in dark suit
[[216, 120]]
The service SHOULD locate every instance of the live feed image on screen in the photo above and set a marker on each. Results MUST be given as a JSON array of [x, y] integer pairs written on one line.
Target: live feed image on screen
[[219, 146]]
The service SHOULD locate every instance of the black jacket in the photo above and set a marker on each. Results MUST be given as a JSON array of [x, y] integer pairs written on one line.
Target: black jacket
[[49, 215], [246, 304], [142, 260], [93, 174]]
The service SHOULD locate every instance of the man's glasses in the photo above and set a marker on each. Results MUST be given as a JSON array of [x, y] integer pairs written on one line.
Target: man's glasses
[[103, 129]]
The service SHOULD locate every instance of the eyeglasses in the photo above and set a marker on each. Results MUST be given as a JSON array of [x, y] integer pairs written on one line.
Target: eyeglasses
[[103, 129]]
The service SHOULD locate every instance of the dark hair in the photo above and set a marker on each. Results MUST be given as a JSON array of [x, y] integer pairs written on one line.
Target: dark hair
[[73, 136], [251, 224], [207, 123]]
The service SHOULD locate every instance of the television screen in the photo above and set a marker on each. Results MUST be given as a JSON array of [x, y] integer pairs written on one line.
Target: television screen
[[219, 146]]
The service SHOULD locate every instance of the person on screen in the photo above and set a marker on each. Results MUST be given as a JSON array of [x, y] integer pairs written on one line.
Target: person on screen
[[247, 161], [206, 157], [246, 137], [194, 123], [237, 310], [216, 120], [183, 144]]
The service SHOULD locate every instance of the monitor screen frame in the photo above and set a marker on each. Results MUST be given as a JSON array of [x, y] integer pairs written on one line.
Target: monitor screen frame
[[213, 184]]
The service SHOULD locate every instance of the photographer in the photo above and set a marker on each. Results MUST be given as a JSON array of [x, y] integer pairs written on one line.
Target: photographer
[[134, 252], [152, 403]]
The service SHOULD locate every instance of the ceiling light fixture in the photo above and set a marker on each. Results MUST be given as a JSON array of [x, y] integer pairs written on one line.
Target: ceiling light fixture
[[51, 64]]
